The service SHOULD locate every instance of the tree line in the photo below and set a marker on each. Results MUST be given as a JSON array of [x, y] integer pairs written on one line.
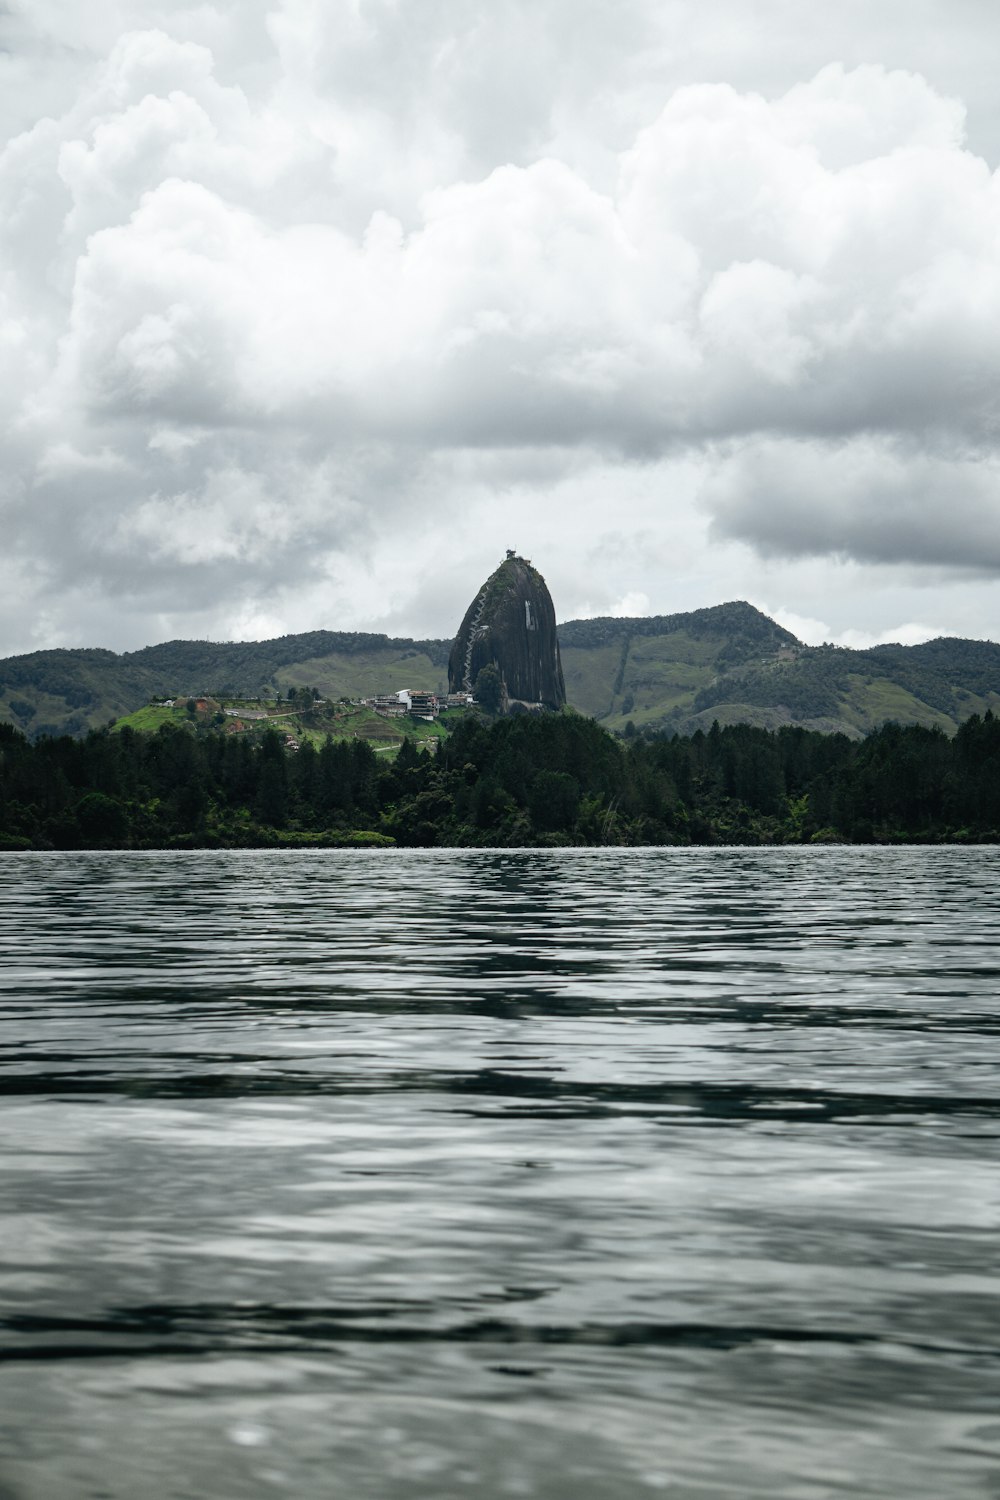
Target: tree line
[[553, 779]]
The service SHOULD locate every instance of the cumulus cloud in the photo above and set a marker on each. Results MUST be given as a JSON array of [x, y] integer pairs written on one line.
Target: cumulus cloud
[[734, 283], [277, 313], [865, 498], [813, 632]]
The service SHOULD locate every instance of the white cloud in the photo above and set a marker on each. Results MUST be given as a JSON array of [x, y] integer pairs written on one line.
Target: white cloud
[[911, 634], [805, 628], [330, 291], [867, 498], [631, 606], [734, 283], [813, 632]]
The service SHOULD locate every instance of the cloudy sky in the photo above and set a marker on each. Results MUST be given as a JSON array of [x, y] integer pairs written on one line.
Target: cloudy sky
[[310, 308]]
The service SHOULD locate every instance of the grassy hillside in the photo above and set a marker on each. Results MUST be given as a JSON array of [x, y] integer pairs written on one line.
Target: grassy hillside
[[941, 684], [374, 670], [680, 671], [68, 692], [341, 720], [645, 670], [345, 660]]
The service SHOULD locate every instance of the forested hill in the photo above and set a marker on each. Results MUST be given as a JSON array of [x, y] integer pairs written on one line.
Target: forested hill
[[747, 630], [939, 684], [68, 692], [729, 663]]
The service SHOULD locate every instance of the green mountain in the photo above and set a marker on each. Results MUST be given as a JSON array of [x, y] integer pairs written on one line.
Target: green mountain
[[68, 692], [730, 662], [939, 683], [651, 670]]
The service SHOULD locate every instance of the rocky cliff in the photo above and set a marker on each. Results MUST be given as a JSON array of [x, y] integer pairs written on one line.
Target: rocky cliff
[[511, 625]]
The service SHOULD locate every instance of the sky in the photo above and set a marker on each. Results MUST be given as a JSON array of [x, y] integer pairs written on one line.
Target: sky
[[309, 309]]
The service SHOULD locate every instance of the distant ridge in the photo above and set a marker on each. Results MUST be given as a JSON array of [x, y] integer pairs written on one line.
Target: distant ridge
[[747, 628], [677, 672]]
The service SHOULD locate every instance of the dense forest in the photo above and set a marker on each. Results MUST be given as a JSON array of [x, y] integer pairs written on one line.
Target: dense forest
[[557, 779]]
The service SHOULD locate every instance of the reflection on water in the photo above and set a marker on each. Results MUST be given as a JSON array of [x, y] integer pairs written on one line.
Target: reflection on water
[[569, 1174]]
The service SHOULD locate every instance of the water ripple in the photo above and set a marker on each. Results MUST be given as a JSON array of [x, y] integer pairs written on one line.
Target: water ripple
[[565, 1173]]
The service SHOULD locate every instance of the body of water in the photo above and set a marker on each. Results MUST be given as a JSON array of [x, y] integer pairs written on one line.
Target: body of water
[[578, 1174]]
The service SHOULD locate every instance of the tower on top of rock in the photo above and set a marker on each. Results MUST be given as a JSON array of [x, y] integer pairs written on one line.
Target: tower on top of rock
[[511, 625]]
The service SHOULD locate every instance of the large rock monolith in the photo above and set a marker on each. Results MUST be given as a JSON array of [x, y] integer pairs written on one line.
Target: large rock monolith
[[511, 625]]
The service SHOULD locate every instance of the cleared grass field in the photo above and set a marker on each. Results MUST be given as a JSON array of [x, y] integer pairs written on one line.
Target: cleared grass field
[[150, 718], [366, 673], [346, 722], [878, 701]]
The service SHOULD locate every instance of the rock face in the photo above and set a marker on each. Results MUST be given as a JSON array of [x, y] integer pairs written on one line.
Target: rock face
[[511, 624]]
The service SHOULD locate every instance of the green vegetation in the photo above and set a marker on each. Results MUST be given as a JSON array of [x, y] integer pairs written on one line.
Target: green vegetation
[[301, 716], [855, 690], [150, 718], [69, 692], [665, 673], [488, 688], [530, 780]]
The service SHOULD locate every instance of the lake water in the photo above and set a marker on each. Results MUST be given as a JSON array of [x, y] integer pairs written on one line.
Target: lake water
[[575, 1174]]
